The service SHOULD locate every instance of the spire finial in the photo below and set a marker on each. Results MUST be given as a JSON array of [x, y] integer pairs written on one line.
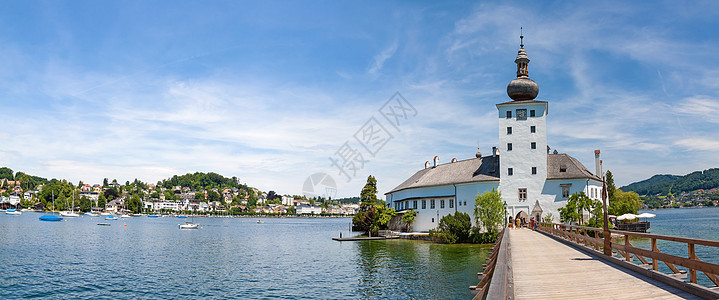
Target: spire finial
[[521, 38]]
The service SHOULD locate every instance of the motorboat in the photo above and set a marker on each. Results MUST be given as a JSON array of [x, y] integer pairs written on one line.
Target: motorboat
[[125, 216], [112, 218], [260, 221], [105, 214], [152, 216], [90, 214], [103, 224], [13, 212]]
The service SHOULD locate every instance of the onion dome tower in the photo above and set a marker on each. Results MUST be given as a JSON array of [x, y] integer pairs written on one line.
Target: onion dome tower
[[522, 88]]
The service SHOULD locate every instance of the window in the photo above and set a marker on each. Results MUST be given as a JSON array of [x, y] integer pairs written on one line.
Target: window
[[531, 113], [451, 203], [509, 146], [534, 170], [441, 203], [431, 204], [432, 220], [565, 190], [509, 130], [465, 203], [424, 204], [522, 194], [414, 204], [562, 169], [534, 145], [509, 114], [510, 171], [521, 114], [533, 129]]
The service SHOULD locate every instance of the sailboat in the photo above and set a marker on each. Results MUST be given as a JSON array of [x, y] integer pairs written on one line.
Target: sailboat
[[71, 213], [91, 214], [51, 218], [189, 225]]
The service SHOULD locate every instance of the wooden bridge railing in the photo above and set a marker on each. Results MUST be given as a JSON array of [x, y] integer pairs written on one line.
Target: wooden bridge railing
[[592, 237], [499, 280]]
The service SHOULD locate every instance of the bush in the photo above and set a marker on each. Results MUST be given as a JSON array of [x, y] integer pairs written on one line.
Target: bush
[[454, 228]]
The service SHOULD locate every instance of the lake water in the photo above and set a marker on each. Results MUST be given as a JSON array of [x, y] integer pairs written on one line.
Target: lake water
[[289, 258], [700, 223]]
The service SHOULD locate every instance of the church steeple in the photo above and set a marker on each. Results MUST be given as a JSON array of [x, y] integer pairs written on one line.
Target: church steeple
[[522, 88]]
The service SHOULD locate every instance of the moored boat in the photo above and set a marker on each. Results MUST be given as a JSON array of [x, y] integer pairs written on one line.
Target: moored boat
[[90, 214], [189, 225], [152, 216], [69, 214], [13, 212], [50, 218], [113, 218]]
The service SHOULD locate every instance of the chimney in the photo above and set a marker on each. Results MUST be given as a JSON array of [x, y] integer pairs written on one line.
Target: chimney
[[426, 164], [436, 160], [597, 164], [494, 151]]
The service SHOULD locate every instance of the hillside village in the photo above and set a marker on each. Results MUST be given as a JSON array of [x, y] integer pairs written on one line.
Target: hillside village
[[200, 194]]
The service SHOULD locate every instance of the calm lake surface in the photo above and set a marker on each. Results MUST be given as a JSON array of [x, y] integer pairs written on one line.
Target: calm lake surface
[[229, 258], [700, 223]]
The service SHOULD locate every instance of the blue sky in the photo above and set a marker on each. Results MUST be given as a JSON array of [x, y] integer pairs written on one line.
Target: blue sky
[[269, 91]]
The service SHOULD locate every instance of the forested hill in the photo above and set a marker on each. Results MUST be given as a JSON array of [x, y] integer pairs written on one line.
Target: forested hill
[[200, 180], [665, 184]]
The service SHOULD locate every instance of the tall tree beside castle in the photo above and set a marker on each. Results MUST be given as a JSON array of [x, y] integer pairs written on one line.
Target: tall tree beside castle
[[373, 214]]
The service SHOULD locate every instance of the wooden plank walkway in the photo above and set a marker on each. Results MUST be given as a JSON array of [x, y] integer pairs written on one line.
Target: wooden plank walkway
[[547, 269]]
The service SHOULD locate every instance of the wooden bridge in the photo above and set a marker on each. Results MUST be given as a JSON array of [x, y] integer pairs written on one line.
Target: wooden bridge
[[560, 261]]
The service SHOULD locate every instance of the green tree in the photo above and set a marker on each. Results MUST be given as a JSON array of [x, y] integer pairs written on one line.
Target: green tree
[[101, 201], [624, 203], [134, 204], [453, 228], [85, 204], [577, 204], [213, 196], [373, 214], [408, 219], [488, 214], [610, 185], [105, 182]]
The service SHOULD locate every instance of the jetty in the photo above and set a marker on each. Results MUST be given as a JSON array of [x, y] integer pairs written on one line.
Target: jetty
[[559, 261]]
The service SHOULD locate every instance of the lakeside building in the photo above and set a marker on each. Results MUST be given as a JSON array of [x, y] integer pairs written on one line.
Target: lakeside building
[[532, 180]]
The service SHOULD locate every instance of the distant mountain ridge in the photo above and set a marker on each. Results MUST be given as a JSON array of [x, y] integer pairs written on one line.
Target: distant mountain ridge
[[664, 184]]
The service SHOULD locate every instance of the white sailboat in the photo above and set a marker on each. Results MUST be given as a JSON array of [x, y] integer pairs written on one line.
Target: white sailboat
[[189, 225], [71, 213], [91, 214]]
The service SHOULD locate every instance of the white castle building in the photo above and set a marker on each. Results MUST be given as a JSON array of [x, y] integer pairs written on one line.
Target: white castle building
[[533, 181]]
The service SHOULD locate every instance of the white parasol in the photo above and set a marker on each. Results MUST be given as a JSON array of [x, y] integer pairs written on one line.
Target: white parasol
[[646, 215], [627, 217]]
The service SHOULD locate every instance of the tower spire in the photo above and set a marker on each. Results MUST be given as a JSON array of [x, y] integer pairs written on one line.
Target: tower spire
[[522, 88]]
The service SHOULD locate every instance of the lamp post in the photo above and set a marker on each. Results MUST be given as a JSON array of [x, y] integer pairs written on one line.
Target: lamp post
[[505, 214], [607, 234]]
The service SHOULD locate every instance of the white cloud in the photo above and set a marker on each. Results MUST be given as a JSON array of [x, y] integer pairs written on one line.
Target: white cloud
[[382, 57]]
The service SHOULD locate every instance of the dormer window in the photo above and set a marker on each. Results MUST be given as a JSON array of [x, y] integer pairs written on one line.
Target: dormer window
[[562, 168]]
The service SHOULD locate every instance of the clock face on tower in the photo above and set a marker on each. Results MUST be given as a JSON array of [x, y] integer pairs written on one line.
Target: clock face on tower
[[521, 114]]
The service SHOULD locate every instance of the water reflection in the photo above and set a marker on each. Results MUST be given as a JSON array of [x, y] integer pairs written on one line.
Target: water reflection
[[423, 269]]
